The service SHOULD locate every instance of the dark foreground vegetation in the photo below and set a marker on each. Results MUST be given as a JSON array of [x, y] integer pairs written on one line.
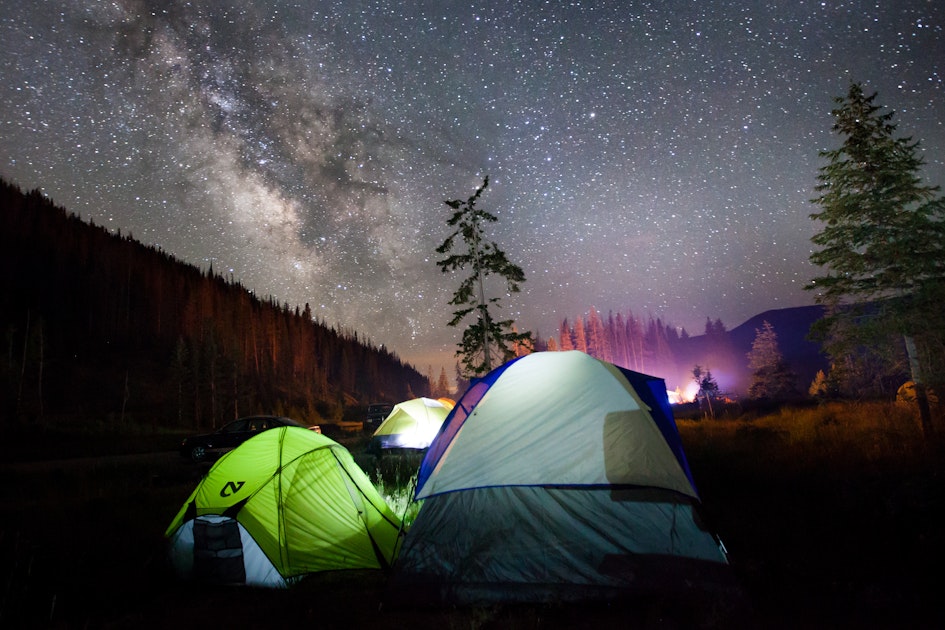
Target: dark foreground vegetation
[[832, 517]]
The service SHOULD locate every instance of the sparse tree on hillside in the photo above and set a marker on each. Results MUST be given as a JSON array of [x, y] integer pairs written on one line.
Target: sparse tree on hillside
[[771, 377], [882, 244], [486, 342], [714, 328]]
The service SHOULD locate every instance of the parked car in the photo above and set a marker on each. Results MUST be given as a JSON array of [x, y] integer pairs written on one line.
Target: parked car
[[198, 448], [376, 414]]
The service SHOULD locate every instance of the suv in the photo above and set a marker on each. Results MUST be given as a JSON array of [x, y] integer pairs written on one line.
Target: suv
[[376, 414], [197, 448]]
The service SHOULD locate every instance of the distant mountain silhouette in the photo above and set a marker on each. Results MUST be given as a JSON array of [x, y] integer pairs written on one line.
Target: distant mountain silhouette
[[726, 354], [792, 325]]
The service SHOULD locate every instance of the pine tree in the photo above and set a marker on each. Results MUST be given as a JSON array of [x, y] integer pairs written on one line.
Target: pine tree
[[820, 386], [431, 383], [635, 343], [771, 378], [462, 383], [565, 334], [580, 336], [882, 243], [442, 385], [597, 345], [716, 328], [619, 332], [487, 341]]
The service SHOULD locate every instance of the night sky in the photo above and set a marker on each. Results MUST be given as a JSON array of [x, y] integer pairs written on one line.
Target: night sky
[[651, 157]]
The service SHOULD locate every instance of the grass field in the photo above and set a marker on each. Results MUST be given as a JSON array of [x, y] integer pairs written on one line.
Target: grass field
[[832, 517]]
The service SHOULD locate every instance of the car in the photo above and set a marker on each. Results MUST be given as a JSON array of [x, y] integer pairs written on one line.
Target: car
[[376, 414], [198, 448]]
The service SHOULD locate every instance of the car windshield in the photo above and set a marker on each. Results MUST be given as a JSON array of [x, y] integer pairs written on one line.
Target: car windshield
[[235, 427], [258, 424]]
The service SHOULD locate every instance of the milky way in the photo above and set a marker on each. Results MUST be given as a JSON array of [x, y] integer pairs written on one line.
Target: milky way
[[653, 157]]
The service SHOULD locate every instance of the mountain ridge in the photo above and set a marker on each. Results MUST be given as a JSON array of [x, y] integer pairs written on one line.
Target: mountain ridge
[[726, 354]]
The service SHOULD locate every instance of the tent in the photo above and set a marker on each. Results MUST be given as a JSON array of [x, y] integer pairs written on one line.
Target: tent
[[285, 503], [556, 477], [412, 424]]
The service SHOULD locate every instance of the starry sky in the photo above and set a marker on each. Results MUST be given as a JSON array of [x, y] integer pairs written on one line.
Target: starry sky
[[648, 157]]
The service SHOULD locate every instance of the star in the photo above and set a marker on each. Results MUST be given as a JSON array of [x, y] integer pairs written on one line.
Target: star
[[653, 157]]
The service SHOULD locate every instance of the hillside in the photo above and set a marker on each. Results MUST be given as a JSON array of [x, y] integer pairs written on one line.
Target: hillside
[[726, 354], [792, 326], [98, 326]]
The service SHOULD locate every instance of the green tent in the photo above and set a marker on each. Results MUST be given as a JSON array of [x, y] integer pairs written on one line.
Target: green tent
[[412, 424], [285, 503]]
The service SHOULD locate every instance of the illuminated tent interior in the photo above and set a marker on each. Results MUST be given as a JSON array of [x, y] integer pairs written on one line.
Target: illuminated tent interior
[[557, 477], [286, 503], [412, 424]]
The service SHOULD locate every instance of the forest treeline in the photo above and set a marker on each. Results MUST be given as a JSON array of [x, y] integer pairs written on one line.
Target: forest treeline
[[99, 326], [644, 345], [654, 346]]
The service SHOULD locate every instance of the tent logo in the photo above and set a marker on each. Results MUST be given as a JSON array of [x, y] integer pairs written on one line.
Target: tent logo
[[231, 488]]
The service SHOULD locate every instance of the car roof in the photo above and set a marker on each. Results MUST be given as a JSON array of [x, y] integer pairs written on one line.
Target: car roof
[[285, 419]]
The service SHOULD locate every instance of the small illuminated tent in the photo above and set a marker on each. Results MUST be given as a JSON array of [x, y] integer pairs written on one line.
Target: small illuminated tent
[[412, 424], [557, 477], [285, 503]]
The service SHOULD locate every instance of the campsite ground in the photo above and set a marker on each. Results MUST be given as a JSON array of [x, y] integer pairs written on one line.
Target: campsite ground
[[832, 519]]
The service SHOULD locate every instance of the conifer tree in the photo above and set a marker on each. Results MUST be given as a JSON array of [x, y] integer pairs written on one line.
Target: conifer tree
[[567, 340], [487, 342], [580, 335], [431, 383], [820, 386], [619, 332], [596, 337], [462, 383], [882, 244], [442, 385], [635, 342], [771, 377]]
